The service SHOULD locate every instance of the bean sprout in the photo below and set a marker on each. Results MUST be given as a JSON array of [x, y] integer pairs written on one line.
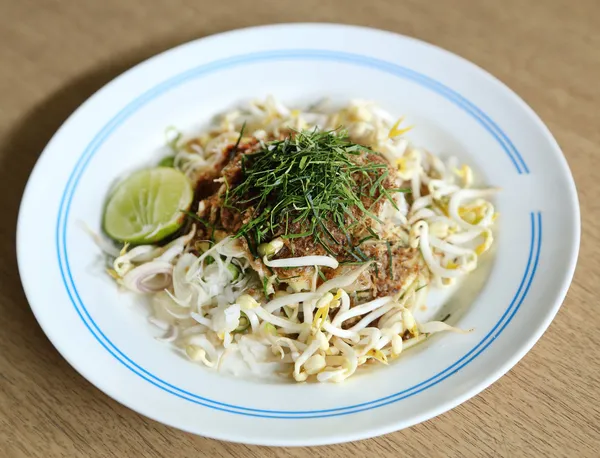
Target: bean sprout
[[325, 317]]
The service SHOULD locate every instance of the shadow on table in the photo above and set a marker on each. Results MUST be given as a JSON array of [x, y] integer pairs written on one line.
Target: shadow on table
[[26, 349], [23, 145]]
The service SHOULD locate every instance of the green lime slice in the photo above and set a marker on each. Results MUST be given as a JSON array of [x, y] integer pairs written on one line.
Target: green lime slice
[[146, 207]]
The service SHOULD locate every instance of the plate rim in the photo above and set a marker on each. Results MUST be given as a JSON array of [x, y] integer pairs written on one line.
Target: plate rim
[[233, 62], [490, 378]]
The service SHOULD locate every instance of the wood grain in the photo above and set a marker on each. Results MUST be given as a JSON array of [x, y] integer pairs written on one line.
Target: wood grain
[[55, 53]]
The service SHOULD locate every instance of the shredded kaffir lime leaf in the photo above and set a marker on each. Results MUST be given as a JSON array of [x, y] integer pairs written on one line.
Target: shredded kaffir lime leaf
[[313, 180]]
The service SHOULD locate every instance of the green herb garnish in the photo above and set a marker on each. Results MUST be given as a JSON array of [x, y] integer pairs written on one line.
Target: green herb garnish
[[421, 287], [321, 275], [309, 184], [206, 223], [390, 263], [237, 143], [265, 283], [167, 161]]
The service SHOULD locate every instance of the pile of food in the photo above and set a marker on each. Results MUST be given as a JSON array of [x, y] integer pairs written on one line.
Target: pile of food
[[305, 238]]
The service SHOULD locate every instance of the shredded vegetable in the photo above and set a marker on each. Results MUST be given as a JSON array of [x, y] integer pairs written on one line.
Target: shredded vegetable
[[386, 221]]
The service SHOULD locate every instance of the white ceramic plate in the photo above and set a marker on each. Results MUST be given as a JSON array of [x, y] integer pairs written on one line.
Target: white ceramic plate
[[457, 108]]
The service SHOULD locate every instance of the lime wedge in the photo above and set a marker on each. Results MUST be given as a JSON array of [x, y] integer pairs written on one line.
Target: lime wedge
[[146, 207]]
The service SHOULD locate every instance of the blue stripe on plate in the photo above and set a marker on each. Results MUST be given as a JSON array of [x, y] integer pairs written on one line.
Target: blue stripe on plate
[[403, 72]]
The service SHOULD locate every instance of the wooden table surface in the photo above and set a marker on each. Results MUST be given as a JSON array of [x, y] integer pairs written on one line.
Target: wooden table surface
[[55, 53]]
